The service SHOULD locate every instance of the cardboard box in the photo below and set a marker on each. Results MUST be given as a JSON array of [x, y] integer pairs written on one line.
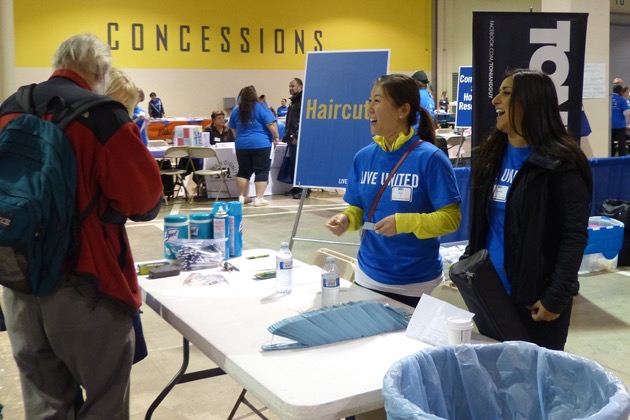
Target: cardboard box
[[187, 135]]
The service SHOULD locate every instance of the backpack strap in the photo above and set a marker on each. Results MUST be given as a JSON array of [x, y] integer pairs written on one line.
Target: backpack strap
[[389, 178], [24, 98], [62, 113], [82, 107]]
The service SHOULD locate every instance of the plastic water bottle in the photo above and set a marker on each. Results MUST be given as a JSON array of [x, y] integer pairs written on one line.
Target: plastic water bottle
[[284, 269], [330, 283]]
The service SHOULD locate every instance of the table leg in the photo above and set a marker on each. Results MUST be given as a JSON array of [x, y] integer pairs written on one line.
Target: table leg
[[242, 399], [182, 377]]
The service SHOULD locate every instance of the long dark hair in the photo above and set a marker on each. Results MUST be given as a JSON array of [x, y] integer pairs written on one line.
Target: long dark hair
[[402, 89], [542, 127], [248, 100]]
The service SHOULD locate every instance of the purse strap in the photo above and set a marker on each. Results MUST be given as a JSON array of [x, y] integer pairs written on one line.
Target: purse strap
[[389, 178]]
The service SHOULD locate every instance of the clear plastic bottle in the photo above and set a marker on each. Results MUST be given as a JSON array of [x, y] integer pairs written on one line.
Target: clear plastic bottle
[[330, 283], [284, 269]]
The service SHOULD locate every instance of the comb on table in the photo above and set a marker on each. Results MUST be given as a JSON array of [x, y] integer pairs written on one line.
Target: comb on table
[[337, 323]]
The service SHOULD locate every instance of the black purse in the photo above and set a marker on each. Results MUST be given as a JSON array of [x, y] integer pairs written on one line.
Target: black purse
[[617, 209], [620, 210], [285, 173], [485, 296]]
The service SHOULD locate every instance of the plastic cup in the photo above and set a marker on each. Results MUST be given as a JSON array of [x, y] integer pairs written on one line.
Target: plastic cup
[[459, 329]]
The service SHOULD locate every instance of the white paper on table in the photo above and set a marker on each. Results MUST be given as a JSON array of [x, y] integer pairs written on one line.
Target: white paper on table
[[205, 139], [428, 322]]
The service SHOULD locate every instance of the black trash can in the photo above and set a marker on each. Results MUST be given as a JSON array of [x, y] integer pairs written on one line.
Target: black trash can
[[509, 380]]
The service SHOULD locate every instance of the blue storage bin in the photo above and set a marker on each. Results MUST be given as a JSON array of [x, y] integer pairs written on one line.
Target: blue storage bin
[[605, 236]]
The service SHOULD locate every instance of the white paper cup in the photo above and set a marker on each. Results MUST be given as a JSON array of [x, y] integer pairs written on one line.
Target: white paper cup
[[459, 329]]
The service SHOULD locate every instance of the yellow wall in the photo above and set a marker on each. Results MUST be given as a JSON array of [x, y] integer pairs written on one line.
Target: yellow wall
[[248, 34]]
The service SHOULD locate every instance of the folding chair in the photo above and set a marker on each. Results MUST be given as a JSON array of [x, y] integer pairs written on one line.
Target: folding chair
[[214, 163], [455, 144], [345, 263], [173, 155]]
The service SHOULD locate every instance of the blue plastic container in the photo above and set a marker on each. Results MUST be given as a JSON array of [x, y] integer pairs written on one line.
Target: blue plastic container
[[200, 224], [235, 223], [605, 236], [175, 227]]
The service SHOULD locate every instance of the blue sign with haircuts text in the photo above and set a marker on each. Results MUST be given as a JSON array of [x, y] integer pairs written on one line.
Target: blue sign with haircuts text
[[334, 122], [463, 115]]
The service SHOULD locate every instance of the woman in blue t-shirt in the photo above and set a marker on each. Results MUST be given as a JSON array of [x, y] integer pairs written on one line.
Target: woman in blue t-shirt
[[140, 118], [255, 130], [531, 192], [399, 253]]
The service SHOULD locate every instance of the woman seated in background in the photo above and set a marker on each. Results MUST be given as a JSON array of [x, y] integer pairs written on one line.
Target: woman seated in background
[[255, 130], [219, 132]]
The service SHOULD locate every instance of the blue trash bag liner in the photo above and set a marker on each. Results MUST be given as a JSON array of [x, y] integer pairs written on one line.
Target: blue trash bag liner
[[509, 380]]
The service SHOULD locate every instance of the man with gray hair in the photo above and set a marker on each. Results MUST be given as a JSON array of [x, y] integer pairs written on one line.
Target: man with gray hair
[[80, 335]]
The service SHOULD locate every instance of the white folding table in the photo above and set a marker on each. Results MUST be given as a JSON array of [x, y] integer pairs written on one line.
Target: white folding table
[[228, 322]]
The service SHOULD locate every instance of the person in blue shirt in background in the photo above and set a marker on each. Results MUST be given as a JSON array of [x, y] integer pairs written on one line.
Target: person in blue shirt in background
[[156, 108], [255, 130], [426, 98], [282, 109], [140, 118], [619, 109], [282, 127]]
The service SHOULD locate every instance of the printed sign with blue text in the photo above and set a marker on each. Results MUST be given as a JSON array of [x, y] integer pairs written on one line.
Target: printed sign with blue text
[[463, 116], [334, 122]]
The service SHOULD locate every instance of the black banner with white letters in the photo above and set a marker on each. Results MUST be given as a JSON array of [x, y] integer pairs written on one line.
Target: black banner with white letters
[[551, 42]]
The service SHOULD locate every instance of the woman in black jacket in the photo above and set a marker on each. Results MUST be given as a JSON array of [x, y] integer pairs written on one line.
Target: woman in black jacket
[[531, 188]]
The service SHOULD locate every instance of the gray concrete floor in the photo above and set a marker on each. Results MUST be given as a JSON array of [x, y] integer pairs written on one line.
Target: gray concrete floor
[[599, 325]]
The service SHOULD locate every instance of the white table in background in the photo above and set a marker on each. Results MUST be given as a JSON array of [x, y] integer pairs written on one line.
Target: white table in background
[[227, 155], [228, 323], [157, 151]]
